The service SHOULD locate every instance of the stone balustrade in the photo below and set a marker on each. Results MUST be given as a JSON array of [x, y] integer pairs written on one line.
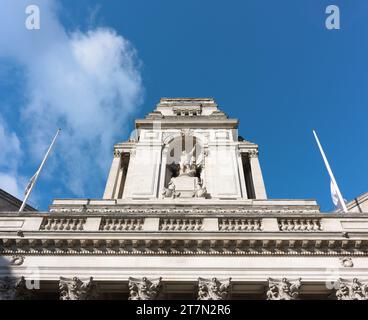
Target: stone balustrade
[[180, 224], [239, 224], [121, 224], [63, 224], [46, 222], [299, 224]]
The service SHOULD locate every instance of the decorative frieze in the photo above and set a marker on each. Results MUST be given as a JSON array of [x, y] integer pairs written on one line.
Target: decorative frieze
[[299, 224], [254, 209], [352, 289], [144, 289], [62, 224], [214, 289], [77, 289], [175, 224], [121, 224], [238, 224], [180, 246], [14, 289], [283, 289]]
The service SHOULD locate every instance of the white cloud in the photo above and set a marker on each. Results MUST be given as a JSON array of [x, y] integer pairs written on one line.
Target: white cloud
[[10, 148], [10, 184], [86, 83]]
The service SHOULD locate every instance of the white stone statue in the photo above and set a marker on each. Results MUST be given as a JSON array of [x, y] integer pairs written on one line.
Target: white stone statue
[[170, 192], [187, 163]]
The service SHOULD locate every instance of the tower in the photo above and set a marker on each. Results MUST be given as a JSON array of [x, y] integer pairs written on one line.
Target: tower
[[225, 166]]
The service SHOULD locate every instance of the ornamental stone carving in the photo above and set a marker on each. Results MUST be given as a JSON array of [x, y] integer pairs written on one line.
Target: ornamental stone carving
[[77, 289], [144, 289], [352, 290], [170, 191], [347, 262], [14, 289], [17, 260], [283, 289], [213, 289], [253, 153], [117, 153]]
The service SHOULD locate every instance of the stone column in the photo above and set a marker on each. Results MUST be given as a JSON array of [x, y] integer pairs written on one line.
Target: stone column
[[241, 174], [163, 171], [14, 289], [144, 289], [113, 176], [283, 289], [259, 187], [352, 290], [213, 289], [77, 289]]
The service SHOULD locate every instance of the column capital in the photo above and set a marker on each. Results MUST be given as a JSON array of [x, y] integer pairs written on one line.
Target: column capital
[[14, 289], [117, 153], [283, 289], [253, 153], [352, 289], [213, 289], [144, 289], [77, 289]]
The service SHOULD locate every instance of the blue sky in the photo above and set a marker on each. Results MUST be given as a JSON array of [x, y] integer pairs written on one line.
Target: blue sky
[[271, 64]]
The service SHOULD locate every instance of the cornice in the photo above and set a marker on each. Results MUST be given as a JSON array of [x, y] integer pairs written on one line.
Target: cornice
[[261, 247]]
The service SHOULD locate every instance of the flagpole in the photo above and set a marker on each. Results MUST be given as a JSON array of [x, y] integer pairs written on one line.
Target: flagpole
[[34, 178], [341, 199]]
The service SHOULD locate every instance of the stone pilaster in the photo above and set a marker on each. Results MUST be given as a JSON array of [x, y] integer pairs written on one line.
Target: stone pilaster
[[258, 183], [283, 289], [77, 289], [213, 289], [144, 289], [352, 290], [112, 180], [14, 289]]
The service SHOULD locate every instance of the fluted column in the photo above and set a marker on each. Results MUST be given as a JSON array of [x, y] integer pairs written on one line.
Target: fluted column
[[352, 289], [144, 289], [213, 289], [77, 289], [283, 289]]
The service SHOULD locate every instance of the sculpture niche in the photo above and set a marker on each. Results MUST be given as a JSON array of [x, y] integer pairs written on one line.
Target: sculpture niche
[[186, 184]]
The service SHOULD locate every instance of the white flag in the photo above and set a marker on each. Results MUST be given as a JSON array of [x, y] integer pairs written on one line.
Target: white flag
[[335, 197], [30, 183]]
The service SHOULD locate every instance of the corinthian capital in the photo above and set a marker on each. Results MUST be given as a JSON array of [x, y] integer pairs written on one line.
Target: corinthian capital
[[14, 289], [213, 289], [253, 153], [144, 289], [283, 289], [117, 153], [352, 290], [77, 289]]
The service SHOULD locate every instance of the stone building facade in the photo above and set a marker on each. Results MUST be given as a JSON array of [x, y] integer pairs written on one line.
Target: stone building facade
[[184, 215]]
